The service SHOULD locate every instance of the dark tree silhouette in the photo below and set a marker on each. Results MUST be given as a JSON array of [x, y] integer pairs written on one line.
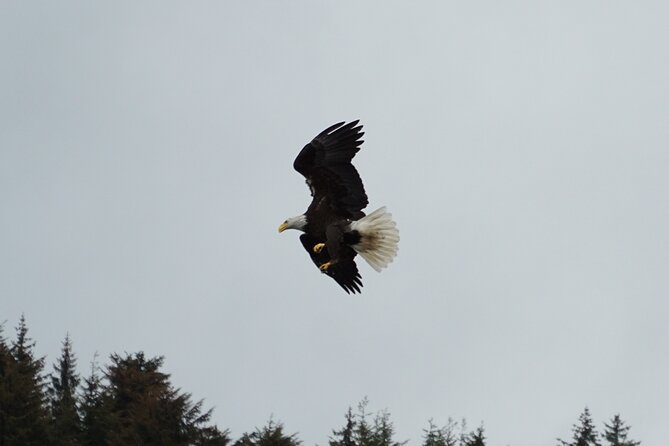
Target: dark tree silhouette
[[91, 412], [359, 431], [362, 431], [6, 370], [616, 433], [344, 436], [584, 433], [24, 417], [143, 407], [383, 431], [440, 436], [65, 421], [476, 438], [269, 435]]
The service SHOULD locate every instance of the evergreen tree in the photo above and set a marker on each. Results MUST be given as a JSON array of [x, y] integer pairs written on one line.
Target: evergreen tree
[[584, 433], [344, 437], [211, 436], [440, 436], [23, 419], [358, 431], [383, 431], [269, 435], [91, 411], [362, 431], [616, 433], [65, 421], [476, 438], [464, 435], [6, 369], [143, 408]]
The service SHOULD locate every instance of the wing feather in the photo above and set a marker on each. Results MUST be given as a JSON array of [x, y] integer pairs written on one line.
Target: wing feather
[[326, 165]]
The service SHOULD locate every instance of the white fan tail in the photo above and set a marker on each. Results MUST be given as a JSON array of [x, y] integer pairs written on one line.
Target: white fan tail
[[379, 238]]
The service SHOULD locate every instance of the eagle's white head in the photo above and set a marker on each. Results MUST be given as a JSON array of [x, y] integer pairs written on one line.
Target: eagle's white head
[[298, 223]]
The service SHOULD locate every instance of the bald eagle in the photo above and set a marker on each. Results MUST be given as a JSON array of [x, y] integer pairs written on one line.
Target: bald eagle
[[335, 227]]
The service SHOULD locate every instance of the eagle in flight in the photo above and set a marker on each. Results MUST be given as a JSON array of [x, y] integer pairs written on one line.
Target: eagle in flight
[[335, 227]]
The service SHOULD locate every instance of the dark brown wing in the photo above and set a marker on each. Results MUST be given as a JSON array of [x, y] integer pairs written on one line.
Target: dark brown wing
[[326, 164], [344, 272]]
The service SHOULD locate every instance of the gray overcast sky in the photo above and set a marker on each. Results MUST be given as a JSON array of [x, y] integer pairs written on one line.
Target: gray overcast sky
[[146, 157]]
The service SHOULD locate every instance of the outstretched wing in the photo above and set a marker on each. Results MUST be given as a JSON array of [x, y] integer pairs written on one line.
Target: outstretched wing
[[326, 164], [344, 272]]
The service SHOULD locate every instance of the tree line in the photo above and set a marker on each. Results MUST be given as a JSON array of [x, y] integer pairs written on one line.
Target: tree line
[[131, 401]]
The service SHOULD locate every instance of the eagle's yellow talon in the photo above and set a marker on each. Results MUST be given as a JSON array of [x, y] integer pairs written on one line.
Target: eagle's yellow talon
[[324, 267], [319, 247]]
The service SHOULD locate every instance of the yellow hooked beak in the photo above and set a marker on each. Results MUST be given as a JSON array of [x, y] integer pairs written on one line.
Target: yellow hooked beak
[[283, 226]]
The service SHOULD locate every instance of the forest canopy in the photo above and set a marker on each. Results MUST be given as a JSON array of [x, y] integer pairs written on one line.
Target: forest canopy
[[131, 401]]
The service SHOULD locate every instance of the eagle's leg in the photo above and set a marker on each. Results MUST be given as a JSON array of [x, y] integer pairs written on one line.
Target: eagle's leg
[[319, 247], [324, 267]]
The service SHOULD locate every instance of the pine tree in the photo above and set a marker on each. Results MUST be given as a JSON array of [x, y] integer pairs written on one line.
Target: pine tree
[[465, 436], [616, 433], [6, 370], [358, 431], [584, 433], [344, 437], [211, 436], [440, 436], [269, 435], [65, 421], [142, 407], [362, 431], [476, 438], [384, 431], [91, 411], [24, 412]]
